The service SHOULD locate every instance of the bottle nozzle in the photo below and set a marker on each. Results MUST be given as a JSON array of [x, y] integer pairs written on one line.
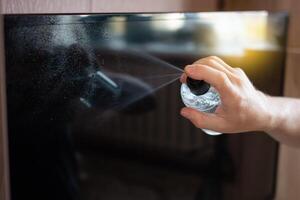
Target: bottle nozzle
[[197, 87]]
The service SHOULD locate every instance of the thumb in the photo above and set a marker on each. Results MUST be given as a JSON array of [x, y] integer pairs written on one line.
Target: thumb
[[203, 120]]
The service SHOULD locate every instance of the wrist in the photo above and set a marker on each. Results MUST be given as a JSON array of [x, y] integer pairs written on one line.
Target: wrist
[[273, 117]]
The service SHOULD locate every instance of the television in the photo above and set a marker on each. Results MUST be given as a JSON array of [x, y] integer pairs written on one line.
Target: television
[[93, 105]]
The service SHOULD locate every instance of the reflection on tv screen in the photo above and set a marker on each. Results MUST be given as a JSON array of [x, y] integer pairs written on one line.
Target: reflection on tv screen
[[94, 100]]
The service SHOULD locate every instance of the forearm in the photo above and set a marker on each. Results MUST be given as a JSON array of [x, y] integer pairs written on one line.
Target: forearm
[[284, 125]]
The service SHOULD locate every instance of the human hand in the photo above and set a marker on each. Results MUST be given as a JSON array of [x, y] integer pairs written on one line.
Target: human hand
[[243, 108]]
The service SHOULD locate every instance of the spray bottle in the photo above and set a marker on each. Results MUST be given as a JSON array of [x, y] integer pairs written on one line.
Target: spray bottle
[[201, 96]]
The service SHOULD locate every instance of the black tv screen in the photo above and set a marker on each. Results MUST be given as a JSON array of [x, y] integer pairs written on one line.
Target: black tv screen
[[93, 105]]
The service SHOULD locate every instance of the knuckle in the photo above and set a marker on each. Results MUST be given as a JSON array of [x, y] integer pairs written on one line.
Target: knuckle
[[239, 75], [224, 81], [198, 65], [211, 62], [213, 57], [208, 60], [223, 78], [238, 81], [239, 70], [202, 60]]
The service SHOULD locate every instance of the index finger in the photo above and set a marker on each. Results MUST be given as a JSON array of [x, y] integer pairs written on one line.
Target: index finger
[[217, 79]]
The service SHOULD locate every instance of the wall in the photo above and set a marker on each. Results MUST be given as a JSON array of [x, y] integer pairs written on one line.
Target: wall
[[4, 186], [81, 6], [289, 158], [288, 176], [3, 145]]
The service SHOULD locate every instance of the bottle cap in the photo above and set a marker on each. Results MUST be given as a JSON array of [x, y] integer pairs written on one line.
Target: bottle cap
[[197, 87]]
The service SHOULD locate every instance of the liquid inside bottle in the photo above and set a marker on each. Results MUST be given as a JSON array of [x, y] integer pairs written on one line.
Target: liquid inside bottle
[[207, 102]]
